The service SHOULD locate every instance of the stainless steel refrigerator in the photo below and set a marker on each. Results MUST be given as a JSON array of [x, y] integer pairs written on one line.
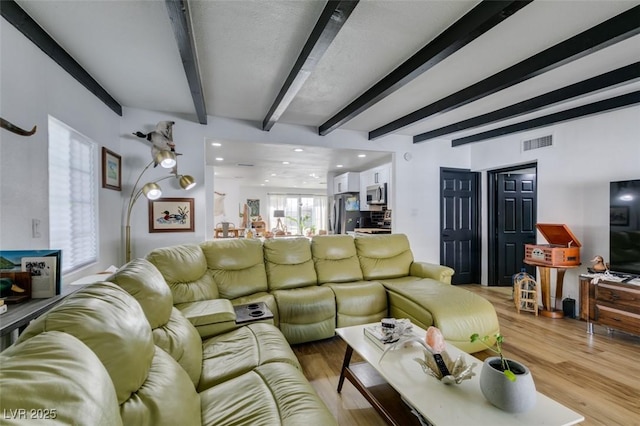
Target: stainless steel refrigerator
[[345, 212]]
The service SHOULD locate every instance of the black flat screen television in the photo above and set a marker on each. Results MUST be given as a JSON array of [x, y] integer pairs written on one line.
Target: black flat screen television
[[624, 227]]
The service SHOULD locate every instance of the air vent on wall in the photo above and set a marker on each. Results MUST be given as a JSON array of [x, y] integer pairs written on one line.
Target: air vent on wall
[[245, 165], [537, 143]]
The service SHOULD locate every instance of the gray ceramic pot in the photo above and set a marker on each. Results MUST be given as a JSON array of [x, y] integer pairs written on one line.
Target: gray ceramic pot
[[514, 397]]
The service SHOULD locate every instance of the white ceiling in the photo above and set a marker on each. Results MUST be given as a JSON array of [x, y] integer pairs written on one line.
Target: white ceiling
[[264, 165], [246, 48]]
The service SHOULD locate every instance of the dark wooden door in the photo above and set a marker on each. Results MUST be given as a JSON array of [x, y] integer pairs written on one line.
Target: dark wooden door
[[459, 232], [515, 223]]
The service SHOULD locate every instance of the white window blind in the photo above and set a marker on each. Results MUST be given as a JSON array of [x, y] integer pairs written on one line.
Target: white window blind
[[73, 201]]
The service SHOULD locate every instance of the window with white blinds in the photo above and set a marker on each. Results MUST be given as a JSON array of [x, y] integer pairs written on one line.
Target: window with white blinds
[[73, 198]]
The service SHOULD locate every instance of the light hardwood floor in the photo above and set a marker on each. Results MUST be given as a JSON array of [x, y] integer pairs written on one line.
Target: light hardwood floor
[[596, 375]]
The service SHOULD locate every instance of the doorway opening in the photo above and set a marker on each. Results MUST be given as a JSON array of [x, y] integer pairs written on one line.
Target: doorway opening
[[512, 211]]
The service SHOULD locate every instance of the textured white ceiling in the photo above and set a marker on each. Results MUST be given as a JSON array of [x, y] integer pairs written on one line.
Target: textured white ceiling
[[246, 48]]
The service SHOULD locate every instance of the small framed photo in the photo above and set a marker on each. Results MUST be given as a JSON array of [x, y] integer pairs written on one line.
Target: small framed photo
[[111, 170], [171, 215]]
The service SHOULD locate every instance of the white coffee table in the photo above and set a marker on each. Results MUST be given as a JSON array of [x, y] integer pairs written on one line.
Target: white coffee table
[[440, 404]]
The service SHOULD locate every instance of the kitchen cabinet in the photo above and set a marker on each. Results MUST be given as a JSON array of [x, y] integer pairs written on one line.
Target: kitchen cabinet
[[375, 176], [346, 182]]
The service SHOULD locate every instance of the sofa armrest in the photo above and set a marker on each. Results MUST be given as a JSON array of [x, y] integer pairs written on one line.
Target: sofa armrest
[[210, 317], [431, 270]]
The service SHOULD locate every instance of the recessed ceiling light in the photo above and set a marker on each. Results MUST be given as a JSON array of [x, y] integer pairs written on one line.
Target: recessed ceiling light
[[298, 149], [266, 180], [285, 162], [216, 144], [339, 166], [362, 155], [262, 184], [219, 159], [273, 174]]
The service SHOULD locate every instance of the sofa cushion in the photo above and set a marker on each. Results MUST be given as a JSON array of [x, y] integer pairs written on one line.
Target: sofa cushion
[[279, 395], [236, 265], [384, 256], [110, 321], [457, 312], [335, 258], [141, 279], [166, 398], [289, 263], [58, 374], [179, 338], [359, 302], [239, 351], [307, 313], [209, 317], [184, 268], [171, 331]]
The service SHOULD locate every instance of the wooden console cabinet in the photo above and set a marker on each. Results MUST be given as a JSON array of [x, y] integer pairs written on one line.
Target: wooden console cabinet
[[610, 304]]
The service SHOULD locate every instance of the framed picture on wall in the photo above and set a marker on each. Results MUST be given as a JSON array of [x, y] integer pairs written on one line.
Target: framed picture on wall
[[254, 207], [171, 215], [111, 170]]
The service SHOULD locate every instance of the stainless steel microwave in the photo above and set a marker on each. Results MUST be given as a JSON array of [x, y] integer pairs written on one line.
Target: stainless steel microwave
[[377, 194]]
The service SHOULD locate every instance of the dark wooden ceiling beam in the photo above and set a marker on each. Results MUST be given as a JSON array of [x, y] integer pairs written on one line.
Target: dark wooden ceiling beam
[[17, 17], [607, 80], [617, 102], [476, 22], [178, 11], [614, 30], [331, 20]]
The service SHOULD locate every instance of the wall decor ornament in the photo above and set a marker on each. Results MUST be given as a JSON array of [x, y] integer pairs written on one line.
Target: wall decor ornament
[[15, 129], [254, 207], [111, 170], [171, 215]]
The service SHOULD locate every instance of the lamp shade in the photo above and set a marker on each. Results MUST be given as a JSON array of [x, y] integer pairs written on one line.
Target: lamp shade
[[278, 213], [152, 191], [166, 159], [187, 182]]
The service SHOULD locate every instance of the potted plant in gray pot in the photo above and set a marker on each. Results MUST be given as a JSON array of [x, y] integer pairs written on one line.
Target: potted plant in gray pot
[[505, 383]]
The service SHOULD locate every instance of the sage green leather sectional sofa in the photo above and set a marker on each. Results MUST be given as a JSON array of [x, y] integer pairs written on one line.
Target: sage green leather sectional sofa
[[158, 344], [123, 355], [313, 286]]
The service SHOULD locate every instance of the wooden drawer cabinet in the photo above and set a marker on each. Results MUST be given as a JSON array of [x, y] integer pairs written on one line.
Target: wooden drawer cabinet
[[611, 304], [615, 318]]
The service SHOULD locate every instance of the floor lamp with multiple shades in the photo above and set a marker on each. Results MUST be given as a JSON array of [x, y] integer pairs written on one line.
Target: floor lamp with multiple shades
[[152, 191]]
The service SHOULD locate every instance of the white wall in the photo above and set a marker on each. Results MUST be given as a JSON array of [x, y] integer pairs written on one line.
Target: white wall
[[417, 194], [573, 176], [32, 88]]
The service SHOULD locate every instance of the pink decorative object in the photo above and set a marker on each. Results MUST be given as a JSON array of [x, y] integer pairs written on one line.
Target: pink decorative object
[[435, 340]]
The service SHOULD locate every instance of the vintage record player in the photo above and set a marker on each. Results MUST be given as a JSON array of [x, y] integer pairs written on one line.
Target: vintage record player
[[563, 248]]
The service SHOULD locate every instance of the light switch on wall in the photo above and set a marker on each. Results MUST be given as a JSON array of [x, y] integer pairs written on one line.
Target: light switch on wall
[[35, 228]]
